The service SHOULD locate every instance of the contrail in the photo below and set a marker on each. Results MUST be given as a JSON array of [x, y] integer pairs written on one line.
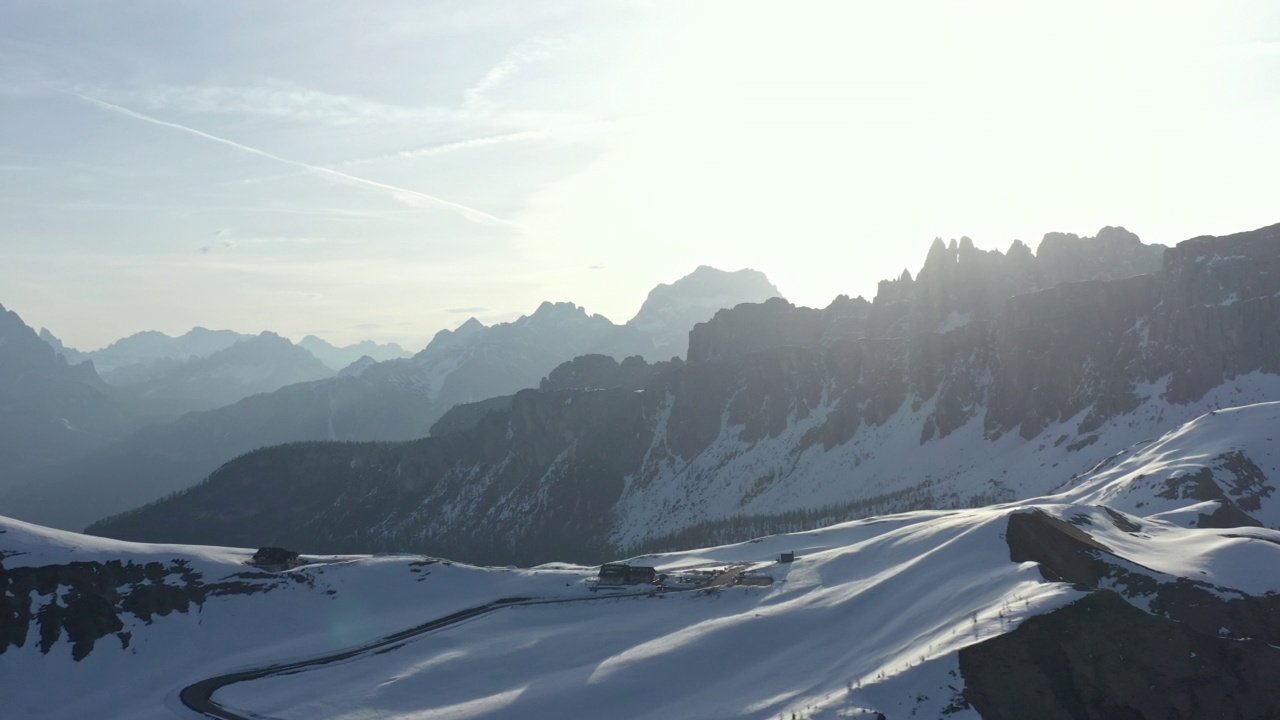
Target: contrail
[[447, 147], [399, 193]]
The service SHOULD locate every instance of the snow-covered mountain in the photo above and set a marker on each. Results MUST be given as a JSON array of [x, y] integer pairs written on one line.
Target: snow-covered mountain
[[943, 392], [337, 358], [1052, 607]]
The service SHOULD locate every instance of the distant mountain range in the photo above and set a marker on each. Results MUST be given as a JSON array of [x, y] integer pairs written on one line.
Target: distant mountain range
[[251, 365], [987, 377], [146, 347], [337, 358], [398, 399]]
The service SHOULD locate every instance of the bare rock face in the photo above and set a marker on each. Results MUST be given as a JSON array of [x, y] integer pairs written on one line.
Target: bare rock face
[[1066, 348], [1100, 658], [748, 327], [1113, 254], [1220, 270], [1220, 299]]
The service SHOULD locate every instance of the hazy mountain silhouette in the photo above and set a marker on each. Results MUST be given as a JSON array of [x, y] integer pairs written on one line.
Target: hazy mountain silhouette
[[253, 365], [73, 356], [337, 358], [51, 410], [149, 345], [391, 400], [672, 310]]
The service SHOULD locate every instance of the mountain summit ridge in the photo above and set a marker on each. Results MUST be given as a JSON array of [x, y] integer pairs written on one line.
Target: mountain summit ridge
[[783, 415]]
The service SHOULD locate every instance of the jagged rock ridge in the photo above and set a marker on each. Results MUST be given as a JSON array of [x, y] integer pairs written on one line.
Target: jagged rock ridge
[[780, 410]]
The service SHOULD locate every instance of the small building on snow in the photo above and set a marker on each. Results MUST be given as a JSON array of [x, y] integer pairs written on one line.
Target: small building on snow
[[624, 574]]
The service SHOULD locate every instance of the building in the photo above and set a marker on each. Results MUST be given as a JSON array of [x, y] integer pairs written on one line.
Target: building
[[274, 558], [624, 574]]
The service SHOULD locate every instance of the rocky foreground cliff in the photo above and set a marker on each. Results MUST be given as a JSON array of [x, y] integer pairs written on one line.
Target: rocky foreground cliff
[[989, 376]]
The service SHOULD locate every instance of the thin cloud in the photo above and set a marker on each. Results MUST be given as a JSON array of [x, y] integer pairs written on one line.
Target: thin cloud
[[527, 52], [404, 195], [279, 101], [448, 147], [413, 154], [465, 310]]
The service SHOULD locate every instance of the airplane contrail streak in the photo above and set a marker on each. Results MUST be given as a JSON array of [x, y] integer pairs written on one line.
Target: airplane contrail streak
[[402, 194]]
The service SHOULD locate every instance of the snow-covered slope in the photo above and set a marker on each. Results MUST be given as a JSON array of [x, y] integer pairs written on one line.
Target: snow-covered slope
[[189, 612], [1214, 469], [908, 615]]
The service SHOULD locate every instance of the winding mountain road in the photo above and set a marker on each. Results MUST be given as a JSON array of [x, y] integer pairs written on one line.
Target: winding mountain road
[[198, 696]]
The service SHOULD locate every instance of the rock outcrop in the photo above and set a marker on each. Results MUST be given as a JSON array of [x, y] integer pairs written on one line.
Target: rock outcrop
[[1102, 658]]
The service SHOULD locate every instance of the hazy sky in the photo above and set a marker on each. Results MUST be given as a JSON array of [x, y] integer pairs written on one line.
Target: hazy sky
[[384, 170]]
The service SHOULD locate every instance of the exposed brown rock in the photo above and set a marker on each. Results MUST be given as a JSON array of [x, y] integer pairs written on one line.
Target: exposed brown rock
[[1100, 658]]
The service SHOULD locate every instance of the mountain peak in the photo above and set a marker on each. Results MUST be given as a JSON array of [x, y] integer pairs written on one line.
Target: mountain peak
[[671, 310], [558, 312], [470, 326]]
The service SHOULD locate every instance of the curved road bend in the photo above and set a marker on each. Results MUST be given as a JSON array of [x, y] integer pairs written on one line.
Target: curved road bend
[[198, 696]]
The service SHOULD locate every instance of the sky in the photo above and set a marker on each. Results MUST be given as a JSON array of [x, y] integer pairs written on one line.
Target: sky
[[383, 171]]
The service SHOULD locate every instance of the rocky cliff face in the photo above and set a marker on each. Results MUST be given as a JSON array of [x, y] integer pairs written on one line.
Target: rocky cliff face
[[940, 393]]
